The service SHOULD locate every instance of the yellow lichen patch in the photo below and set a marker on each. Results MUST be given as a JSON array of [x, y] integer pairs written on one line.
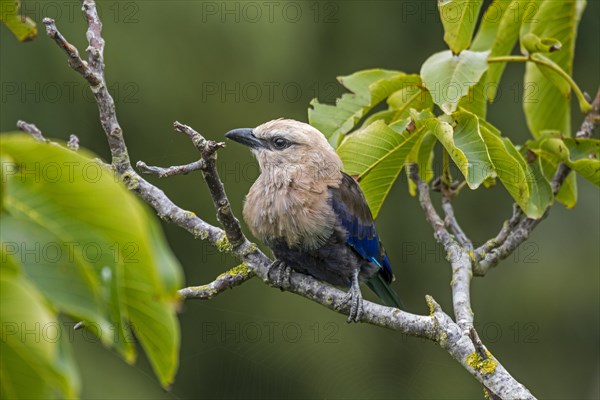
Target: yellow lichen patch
[[485, 393], [430, 304], [471, 254], [190, 214], [200, 233], [442, 338], [250, 249], [241, 270], [223, 245], [476, 362]]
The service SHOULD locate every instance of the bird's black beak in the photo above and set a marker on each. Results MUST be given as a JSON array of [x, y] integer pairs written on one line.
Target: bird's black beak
[[246, 137]]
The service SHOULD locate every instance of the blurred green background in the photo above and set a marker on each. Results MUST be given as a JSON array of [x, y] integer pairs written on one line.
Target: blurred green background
[[221, 65]]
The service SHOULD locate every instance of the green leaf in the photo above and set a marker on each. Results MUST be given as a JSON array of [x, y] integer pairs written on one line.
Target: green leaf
[[411, 95], [498, 33], [422, 155], [57, 198], [475, 100], [540, 190], [567, 194], [47, 260], [548, 163], [449, 77], [459, 18], [551, 110], [375, 156], [552, 76], [32, 362], [368, 87], [386, 116], [490, 25], [509, 165], [575, 153], [24, 28], [464, 145]]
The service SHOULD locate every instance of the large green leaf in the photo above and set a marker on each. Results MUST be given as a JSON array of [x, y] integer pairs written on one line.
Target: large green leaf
[[548, 164], [540, 191], [411, 95], [47, 260], [422, 155], [118, 256], [509, 165], [553, 77], [475, 100], [567, 194], [498, 33], [490, 25], [551, 111], [464, 145], [459, 18], [448, 77], [24, 28], [578, 154], [375, 156], [32, 362], [368, 88]]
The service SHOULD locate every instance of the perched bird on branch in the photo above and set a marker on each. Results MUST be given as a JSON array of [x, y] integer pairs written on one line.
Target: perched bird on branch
[[313, 216]]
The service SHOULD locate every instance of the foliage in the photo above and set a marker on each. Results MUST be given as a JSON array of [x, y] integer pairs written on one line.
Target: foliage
[[24, 28], [75, 241], [375, 146]]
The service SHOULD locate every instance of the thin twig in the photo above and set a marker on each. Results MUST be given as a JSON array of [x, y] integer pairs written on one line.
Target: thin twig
[[208, 150], [73, 143], [452, 223], [74, 59], [479, 347], [170, 171], [227, 280], [32, 130], [500, 238]]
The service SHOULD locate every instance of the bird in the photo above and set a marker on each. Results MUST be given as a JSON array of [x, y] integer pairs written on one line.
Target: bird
[[313, 216]]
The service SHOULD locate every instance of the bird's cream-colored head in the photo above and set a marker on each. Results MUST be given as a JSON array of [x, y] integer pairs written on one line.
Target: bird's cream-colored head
[[290, 198], [289, 149]]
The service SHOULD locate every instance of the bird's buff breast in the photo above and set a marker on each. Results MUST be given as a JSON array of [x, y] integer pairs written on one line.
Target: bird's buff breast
[[298, 214]]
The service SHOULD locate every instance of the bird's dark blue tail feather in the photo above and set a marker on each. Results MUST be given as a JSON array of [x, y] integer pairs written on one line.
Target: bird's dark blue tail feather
[[382, 288]]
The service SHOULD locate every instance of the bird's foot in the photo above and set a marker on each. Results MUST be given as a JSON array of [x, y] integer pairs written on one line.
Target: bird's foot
[[279, 274], [354, 297]]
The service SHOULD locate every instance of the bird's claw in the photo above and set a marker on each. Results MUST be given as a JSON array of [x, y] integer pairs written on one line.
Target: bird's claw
[[354, 297], [279, 274]]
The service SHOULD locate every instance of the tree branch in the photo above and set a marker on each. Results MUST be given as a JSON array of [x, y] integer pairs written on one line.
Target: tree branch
[[208, 150], [489, 256], [73, 143], [227, 280], [74, 59], [501, 237], [449, 191], [456, 254], [437, 326], [170, 171], [32, 130]]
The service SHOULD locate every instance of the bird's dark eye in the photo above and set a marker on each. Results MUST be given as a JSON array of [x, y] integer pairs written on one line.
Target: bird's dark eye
[[280, 143]]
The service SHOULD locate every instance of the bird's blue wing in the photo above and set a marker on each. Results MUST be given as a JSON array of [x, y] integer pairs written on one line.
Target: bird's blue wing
[[355, 216]]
